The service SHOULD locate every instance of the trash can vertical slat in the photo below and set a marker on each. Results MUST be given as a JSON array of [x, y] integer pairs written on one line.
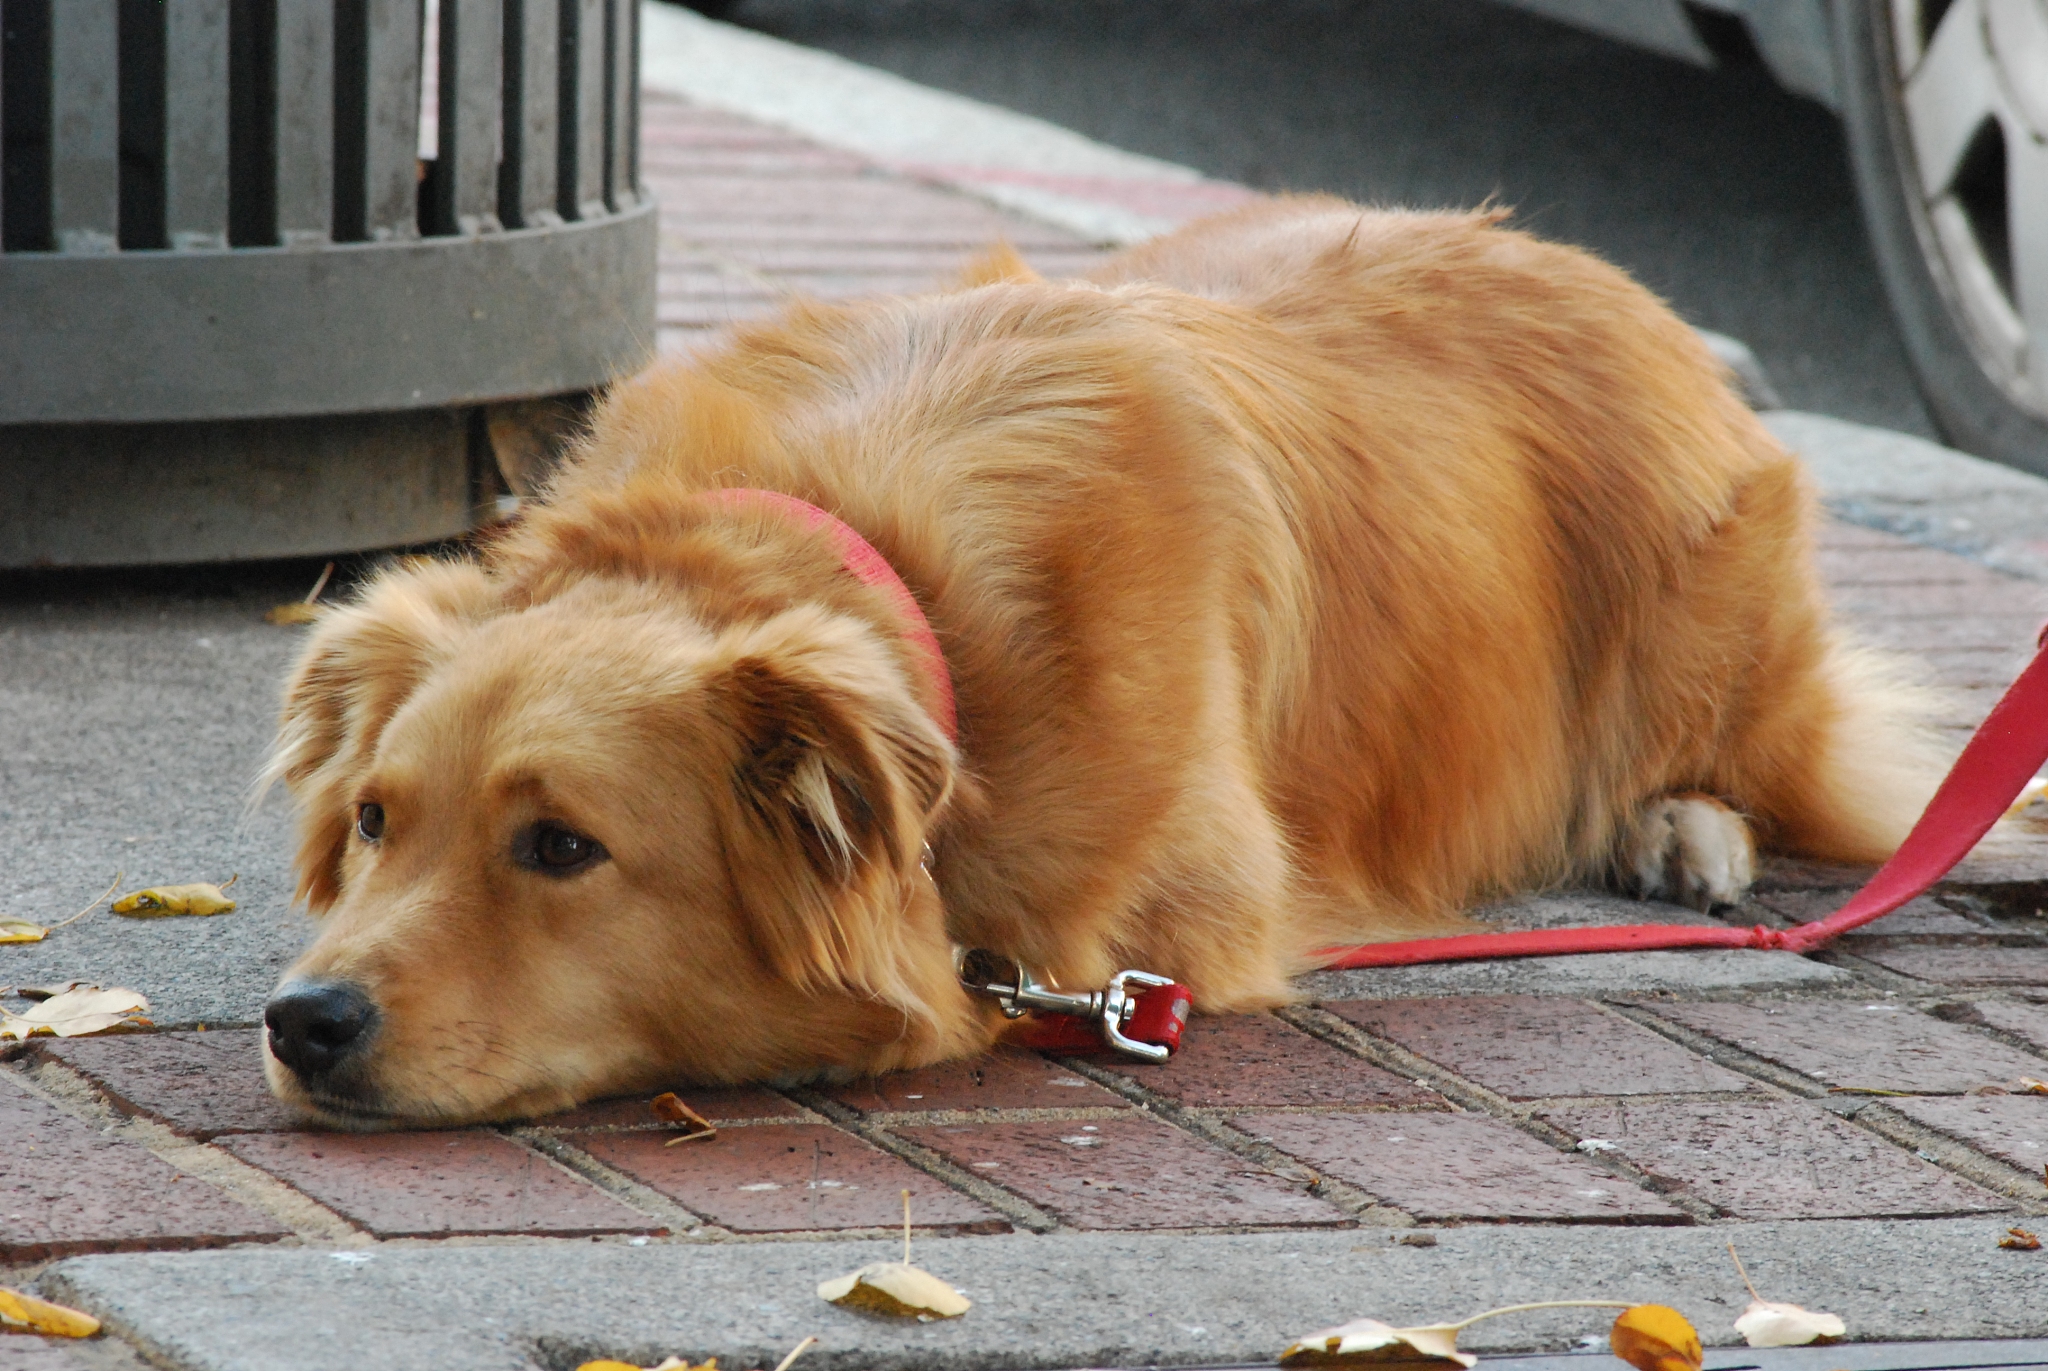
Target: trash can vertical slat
[[622, 138], [471, 86], [305, 122], [85, 184], [584, 118], [392, 118], [532, 84], [196, 125]]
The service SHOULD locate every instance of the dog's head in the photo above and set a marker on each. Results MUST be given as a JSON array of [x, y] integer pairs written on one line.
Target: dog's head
[[589, 843]]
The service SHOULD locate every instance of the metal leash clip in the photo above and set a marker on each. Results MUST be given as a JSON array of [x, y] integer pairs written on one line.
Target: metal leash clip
[[1020, 991]]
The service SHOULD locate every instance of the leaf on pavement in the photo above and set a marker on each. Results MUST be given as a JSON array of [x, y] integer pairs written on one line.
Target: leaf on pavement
[[301, 611], [163, 901], [669, 1108], [77, 1013], [1369, 1340], [1364, 1341], [1656, 1337], [1770, 1323], [25, 931], [898, 1289], [666, 1364], [20, 1313], [2020, 1240], [895, 1288]]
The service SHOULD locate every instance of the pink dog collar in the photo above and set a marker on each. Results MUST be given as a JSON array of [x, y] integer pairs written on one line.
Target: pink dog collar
[[870, 568]]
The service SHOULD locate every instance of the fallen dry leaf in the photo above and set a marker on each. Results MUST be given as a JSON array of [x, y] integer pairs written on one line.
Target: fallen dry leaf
[[25, 931], [76, 1014], [665, 1364], [301, 611], [44, 992], [1769, 1323], [2030, 1086], [898, 1289], [163, 901], [667, 1107], [1368, 1340], [21, 1313], [895, 1288], [2020, 1240], [1656, 1337]]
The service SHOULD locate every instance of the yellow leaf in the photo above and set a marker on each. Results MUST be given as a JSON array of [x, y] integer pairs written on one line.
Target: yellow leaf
[[1767, 1323], [299, 612], [21, 931], [2020, 1240], [1368, 1340], [26, 1313], [1655, 1337], [161, 901], [77, 1013], [896, 1288]]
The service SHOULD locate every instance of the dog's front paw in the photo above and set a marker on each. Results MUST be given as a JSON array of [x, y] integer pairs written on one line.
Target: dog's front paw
[[1691, 850]]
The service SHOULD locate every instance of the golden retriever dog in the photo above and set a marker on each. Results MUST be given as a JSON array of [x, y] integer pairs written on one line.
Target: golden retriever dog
[[1306, 576]]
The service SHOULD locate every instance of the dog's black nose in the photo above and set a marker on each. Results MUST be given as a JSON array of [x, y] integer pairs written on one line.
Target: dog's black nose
[[314, 1025]]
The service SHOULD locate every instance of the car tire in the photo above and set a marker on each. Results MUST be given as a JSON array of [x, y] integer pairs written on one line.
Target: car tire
[[1953, 281]]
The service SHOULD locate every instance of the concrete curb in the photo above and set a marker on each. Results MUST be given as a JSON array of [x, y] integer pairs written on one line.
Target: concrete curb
[[1061, 1301], [1105, 194]]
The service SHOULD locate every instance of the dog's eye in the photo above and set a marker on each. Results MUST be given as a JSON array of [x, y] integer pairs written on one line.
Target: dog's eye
[[558, 850], [370, 822]]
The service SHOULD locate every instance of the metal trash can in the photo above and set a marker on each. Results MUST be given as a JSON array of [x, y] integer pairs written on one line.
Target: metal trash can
[[277, 275]]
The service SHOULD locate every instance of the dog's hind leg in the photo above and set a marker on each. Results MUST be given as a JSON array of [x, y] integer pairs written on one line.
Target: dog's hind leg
[[1689, 849]]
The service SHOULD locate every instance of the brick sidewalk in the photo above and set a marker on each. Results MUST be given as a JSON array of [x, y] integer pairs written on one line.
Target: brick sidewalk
[[1893, 1090]]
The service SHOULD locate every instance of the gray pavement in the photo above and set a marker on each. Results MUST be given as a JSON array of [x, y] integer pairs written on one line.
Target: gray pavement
[[1720, 191], [1043, 1301], [133, 715]]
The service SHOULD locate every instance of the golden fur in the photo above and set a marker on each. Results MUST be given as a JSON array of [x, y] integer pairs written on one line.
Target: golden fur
[[1306, 576]]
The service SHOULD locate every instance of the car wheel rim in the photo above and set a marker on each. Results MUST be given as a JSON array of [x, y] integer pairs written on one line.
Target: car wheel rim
[[1973, 91]]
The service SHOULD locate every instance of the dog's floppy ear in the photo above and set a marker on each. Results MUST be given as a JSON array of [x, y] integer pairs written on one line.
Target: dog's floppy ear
[[837, 772], [361, 663]]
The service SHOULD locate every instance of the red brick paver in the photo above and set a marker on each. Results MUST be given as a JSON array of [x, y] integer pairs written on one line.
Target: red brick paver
[[1126, 1174], [1006, 1079], [773, 1178], [201, 1084], [433, 1185], [2022, 1020], [1458, 1166], [1774, 1159], [1529, 1048], [2012, 1128], [1982, 964], [65, 1188], [1256, 1061], [751, 217], [734, 1106], [1861, 1045]]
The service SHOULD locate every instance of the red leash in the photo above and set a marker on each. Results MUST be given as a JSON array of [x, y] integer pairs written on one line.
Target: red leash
[[2003, 754]]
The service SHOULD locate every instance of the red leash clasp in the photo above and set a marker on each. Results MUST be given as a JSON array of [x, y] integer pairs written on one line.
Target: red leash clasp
[[1138, 1014]]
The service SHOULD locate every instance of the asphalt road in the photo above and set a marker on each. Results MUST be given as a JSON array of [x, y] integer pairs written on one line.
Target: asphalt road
[[1717, 189]]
